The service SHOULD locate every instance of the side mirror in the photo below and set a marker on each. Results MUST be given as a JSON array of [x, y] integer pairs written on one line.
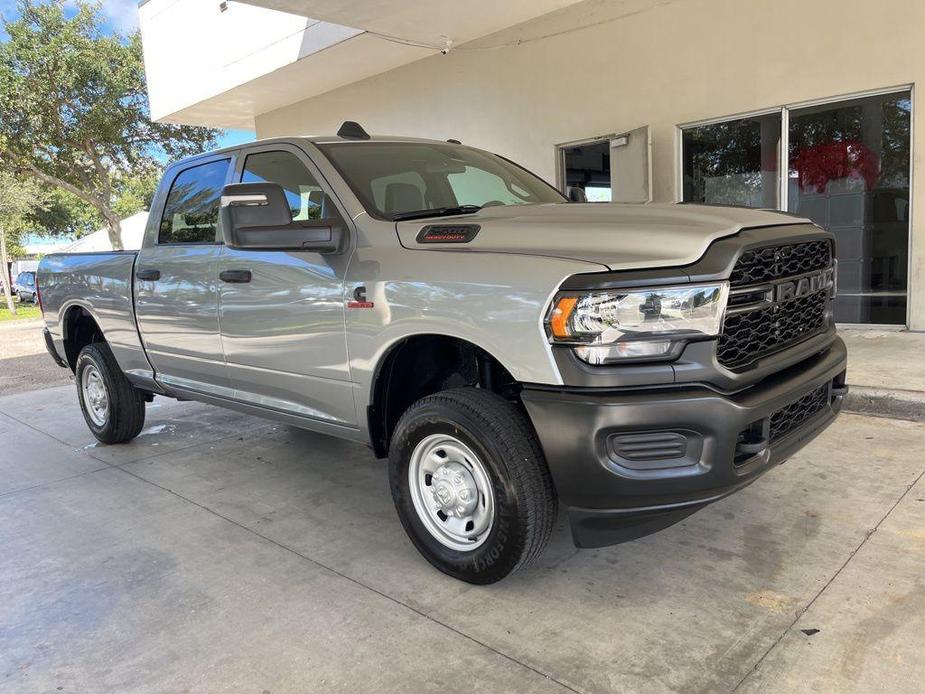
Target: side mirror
[[256, 216], [576, 194]]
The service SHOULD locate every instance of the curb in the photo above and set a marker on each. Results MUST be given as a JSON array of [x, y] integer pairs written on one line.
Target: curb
[[882, 402]]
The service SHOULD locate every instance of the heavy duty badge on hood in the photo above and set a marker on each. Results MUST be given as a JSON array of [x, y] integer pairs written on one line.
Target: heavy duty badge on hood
[[448, 233]]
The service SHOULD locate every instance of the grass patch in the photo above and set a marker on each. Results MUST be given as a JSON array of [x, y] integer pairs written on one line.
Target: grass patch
[[23, 311]]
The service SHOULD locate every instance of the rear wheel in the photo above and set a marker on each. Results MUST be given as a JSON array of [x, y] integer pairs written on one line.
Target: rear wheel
[[471, 485], [112, 407]]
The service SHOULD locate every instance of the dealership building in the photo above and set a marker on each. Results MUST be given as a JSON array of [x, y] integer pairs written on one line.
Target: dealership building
[[806, 106]]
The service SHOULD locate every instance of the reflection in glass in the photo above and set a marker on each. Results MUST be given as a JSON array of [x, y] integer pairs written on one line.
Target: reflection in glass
[[849, 173], [733, 163], [191, 210]]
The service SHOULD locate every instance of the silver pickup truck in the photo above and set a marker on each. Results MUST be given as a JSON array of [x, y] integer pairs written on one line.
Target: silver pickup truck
[[507, 349]]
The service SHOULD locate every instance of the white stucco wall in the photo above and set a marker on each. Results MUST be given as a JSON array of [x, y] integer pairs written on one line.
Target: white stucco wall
[[642, 62]]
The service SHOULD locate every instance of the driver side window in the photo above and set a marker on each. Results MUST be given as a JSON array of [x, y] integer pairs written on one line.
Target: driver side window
[[307, 200]]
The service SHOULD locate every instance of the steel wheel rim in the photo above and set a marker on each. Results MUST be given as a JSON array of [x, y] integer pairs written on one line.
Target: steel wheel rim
[[96, 399], [452, 492]]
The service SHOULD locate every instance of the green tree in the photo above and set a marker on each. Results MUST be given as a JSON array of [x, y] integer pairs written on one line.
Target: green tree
[[20, 196], [64, 215], [74, 111], [136, 192]]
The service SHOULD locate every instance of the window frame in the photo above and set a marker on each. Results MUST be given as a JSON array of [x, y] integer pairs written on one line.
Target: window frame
[[783, 166], [245, 151], [218, 240]]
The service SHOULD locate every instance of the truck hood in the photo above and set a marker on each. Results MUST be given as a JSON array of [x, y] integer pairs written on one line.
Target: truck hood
[[617, 236]]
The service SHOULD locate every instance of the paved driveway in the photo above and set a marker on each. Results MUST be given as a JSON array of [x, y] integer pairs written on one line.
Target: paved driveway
[[218, 552], [24, 362]]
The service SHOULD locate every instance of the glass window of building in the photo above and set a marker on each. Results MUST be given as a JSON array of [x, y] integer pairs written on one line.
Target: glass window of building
[[849, 173], [848, 168], [733, 163]]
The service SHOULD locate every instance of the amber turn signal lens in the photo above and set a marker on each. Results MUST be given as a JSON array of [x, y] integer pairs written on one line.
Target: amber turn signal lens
[[558, 322]]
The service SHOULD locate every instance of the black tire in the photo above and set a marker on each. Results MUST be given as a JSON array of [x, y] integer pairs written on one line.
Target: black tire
[[502, 437], [126, 404]]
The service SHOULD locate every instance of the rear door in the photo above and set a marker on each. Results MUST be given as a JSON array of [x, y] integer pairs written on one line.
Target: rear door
[[176, 281], [282, 312]]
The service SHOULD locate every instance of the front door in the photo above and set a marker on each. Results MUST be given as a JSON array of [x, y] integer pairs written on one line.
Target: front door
[[282, 312], [176, 283]]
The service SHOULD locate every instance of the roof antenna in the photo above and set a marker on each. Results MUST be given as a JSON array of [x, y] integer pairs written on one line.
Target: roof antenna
[[352, 130]]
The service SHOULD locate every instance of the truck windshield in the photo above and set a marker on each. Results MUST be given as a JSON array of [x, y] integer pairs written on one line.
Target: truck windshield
[[406, 180]]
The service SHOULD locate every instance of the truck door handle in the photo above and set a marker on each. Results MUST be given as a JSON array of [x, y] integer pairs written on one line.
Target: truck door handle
[[148, 275], [235, 276]]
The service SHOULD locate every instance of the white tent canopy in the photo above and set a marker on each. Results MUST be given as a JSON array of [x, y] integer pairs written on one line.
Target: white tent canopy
[[133, 231]]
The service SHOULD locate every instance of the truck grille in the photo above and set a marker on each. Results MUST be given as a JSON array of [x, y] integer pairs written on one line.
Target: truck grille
[[756, 324], [788, 418], [777, 262]]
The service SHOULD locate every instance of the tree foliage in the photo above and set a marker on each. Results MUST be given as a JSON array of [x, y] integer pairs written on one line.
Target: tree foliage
[[64, 215], [74, 111], [20, 196]]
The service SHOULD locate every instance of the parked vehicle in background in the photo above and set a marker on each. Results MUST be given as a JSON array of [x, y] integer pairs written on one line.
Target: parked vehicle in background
[[507, 350], [24, 287]]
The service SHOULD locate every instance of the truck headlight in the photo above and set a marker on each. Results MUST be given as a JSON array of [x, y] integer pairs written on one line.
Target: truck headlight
[[615, 325]]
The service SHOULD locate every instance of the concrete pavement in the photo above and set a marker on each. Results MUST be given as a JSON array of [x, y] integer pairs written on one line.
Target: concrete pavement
[[886, 372], [219, 552], [24, 362]]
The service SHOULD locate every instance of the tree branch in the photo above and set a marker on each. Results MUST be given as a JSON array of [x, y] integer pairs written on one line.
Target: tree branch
[[61, 183], [101, 172]]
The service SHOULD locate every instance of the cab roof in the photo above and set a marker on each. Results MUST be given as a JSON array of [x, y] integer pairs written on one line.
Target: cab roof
[[314, 139]]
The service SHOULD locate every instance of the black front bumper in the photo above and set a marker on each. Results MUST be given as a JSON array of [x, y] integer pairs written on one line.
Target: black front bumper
[[627, 463]]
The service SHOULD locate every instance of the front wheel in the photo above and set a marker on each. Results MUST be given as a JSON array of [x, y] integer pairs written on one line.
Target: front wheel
[[112, 407], [471, 485]]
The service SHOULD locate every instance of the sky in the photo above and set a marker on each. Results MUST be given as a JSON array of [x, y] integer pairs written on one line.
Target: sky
[[121, 16]]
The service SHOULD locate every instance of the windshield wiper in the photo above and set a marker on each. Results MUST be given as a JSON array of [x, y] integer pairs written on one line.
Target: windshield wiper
[[437, 212]]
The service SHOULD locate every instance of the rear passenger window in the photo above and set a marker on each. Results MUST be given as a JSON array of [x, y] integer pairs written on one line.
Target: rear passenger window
[[191, 210]]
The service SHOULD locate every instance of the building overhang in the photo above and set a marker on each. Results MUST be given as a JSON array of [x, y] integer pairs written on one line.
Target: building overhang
[[221, 64]]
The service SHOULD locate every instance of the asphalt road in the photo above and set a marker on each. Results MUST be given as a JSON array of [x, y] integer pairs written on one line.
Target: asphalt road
[[24, 363]]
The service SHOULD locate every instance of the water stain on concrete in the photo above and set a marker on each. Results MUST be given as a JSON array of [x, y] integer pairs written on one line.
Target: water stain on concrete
[[761, 550], [869, 635]]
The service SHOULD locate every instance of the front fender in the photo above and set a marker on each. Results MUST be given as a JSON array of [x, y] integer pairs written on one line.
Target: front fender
[[495, 301]]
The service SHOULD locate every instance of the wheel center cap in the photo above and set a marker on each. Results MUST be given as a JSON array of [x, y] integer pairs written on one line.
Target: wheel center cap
[[454, 490]]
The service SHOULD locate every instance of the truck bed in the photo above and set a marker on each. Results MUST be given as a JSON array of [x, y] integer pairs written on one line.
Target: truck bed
[[101, 284]]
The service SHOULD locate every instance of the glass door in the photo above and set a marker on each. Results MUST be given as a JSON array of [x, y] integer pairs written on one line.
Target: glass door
[[848, 171]]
